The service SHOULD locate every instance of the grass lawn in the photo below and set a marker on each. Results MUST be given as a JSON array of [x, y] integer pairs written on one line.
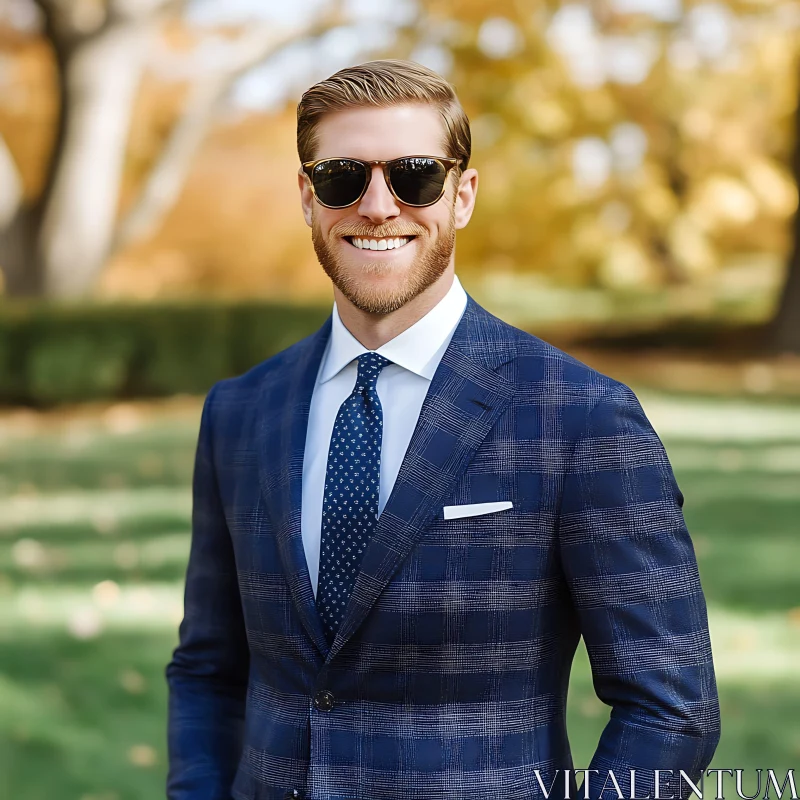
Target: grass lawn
[[94, 536]]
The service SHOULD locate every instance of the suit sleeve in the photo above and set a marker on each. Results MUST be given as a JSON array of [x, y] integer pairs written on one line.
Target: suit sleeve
[[207, 676], [634, 583]]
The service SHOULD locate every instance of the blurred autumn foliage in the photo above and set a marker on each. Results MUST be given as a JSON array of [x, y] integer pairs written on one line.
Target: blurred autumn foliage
[[655, 166], [628, 145]]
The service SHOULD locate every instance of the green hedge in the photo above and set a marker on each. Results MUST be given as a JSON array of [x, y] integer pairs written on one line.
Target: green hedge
[[52, 354]]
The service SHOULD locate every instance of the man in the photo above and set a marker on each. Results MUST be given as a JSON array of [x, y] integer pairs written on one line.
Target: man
[[404, 523]]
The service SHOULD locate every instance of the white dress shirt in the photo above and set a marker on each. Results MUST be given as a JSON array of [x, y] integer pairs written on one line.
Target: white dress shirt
[[402, 385]]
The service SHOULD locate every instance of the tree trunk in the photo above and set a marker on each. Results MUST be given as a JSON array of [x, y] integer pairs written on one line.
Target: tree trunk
[[58, 245], [100, 77], [17, 231], [784, 333], [22, 275], [786, 326]]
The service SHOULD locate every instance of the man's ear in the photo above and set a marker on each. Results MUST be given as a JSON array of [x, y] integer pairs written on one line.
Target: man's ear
[[466, 192], [306, 195]]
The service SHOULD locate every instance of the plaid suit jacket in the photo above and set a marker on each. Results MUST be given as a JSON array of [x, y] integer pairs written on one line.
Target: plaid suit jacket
[[448, 677]]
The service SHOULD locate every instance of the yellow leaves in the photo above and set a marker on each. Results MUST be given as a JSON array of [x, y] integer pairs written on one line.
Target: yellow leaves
[[772, 185], [713, 142], [599, 105], [486, 130], [690, 246], [697, 123], [724, 200], [495, 181], [547, 117], [615, 216], [657, 202], [627, 265], [589, 237], [733, 139], [499, 37], [621, 261], [506, 234], [564, 193], [775, 51]]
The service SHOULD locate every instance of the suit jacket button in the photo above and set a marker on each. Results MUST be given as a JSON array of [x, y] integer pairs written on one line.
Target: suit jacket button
[[292, 794], [324, 700]]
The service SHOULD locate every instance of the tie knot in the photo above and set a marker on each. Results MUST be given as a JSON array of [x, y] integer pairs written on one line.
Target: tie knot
[[370, 365]]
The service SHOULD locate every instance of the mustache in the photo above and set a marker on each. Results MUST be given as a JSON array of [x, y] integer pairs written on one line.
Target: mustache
[[377, 232]]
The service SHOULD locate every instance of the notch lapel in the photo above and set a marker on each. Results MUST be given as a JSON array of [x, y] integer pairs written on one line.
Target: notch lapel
[[464, 400], [285, 400]]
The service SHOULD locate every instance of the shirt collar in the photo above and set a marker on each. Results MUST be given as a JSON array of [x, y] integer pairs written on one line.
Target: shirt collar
[[413, 349]]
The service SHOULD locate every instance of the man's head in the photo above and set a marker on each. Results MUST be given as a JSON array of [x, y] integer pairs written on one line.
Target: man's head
[[380, 111]]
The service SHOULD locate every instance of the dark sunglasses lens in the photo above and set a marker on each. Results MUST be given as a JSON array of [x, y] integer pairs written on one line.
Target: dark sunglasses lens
[[417, 181], [339, 181]]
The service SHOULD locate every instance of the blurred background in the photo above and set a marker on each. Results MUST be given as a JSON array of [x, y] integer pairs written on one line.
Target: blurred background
[[638, 207]]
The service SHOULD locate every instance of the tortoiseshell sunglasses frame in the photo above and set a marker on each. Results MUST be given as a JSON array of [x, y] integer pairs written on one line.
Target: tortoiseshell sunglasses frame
[[448, 164]]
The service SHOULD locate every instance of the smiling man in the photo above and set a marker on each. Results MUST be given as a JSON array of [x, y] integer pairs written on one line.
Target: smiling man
[[390, 262], [404, 523]]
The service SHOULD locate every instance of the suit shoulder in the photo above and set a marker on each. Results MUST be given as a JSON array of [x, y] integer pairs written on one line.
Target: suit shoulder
[[245, 388], [539, 362]]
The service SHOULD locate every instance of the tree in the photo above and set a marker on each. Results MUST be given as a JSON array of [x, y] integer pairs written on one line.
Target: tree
[[56, 245], [630, 149], [785, 331]]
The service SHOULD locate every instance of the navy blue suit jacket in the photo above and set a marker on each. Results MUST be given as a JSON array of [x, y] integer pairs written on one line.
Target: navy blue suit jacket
[[448, 677]]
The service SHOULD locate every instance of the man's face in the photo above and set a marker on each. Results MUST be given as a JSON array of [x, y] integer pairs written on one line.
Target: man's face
[[381, 281]]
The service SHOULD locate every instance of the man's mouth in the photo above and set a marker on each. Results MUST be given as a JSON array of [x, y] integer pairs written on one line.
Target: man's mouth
[[379, 244]]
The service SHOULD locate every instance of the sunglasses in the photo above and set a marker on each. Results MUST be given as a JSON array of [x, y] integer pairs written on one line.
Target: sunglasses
[[413, 180]]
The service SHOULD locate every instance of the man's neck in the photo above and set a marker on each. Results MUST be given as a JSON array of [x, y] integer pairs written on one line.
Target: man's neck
[[374, 330]]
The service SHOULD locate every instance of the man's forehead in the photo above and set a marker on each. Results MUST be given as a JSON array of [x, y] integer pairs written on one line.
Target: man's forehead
[[372, 133]]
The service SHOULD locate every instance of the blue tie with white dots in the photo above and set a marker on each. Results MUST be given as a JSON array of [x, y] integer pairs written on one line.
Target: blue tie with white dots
[[352, 486]]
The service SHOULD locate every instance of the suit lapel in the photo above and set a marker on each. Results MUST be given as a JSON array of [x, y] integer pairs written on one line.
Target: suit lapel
[[285, 400], [464, 400]]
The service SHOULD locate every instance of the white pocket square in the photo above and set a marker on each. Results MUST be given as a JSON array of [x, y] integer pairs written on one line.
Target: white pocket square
[[473, 509]]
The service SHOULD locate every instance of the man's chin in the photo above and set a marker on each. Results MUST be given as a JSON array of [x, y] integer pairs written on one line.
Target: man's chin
[[375, 294], [378, 273]]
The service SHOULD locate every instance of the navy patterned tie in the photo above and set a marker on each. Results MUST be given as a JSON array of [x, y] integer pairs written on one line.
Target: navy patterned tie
[[352, 485]]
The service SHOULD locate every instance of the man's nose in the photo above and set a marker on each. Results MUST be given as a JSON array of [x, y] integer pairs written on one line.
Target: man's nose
[[378, 204]]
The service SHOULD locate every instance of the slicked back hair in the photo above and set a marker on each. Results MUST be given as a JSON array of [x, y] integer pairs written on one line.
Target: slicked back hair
[[381, 84]]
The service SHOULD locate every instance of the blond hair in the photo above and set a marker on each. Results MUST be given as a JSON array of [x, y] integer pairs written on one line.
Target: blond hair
[[381, 84]]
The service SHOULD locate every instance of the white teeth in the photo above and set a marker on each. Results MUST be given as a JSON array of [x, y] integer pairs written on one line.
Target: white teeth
[[380, 244]]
